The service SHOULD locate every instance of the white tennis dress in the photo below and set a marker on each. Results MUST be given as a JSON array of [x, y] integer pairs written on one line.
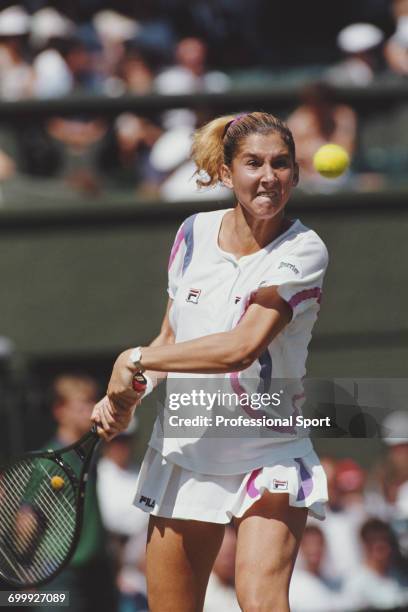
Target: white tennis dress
[[212, 478]]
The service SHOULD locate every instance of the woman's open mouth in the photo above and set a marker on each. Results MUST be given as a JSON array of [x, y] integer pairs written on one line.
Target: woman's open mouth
[[267, 194]]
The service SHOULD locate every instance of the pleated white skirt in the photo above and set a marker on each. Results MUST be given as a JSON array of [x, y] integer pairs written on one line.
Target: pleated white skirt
[[169, 490]]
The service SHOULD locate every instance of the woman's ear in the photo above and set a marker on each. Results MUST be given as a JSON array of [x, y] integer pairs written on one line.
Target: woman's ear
[[226, 177]]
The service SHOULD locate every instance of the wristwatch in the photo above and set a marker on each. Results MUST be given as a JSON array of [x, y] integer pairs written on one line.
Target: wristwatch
[[136, 357]]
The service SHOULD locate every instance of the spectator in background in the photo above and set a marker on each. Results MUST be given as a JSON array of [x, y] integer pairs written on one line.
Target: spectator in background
[[131, 577], [127, 526], [395, 435], [396, 48], [7, 170], [382, 582], [188, 75], [81, 63], [360, 43], [392, 475], [124, 158], [350, 482], [50, 30], [220, 593], [7, 166], [113, 30], [319, 120], [88, 577], [340, 527], [311, 590], [399, 521], [77, 142], [136, 70], [330, 465], [116, 479], [16, 77]]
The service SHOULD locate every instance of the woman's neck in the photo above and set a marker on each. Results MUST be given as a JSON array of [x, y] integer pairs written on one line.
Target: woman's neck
[[242, 235]]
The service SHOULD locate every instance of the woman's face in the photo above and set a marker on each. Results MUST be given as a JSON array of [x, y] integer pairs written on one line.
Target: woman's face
[[262, 175]]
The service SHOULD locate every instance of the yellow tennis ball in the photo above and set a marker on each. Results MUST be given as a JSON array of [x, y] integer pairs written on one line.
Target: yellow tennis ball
[[331, 160], [57, 483]]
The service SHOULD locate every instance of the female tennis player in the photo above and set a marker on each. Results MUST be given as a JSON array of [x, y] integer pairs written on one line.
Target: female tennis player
[[244, 293]]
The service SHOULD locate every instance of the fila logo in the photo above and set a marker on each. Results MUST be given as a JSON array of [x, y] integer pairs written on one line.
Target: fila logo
[[237, 299], [193, 296], [280, 485], [147, 501]]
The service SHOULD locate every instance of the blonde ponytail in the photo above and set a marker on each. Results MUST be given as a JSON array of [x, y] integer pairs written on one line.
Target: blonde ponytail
[[208, 150]]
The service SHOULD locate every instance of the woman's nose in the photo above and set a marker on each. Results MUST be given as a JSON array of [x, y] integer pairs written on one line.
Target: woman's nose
[[268, 175]]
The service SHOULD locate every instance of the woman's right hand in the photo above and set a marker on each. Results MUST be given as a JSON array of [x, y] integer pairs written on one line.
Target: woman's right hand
[[111, 421]]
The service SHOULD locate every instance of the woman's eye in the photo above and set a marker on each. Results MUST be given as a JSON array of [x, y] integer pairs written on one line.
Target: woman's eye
[[281, 163]]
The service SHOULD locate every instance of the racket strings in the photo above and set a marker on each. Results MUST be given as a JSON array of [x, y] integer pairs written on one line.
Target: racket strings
[[37, 520], [45, 499], [24, 537], [45, 495], [7, 515]]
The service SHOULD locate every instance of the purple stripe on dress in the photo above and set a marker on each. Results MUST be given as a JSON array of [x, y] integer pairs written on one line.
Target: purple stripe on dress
[[179, 239], [306, 486], [250, 486], [189, 240], [306, 294]]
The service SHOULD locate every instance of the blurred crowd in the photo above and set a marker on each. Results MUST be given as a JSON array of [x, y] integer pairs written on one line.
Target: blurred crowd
[[357, 559], [48, 52]]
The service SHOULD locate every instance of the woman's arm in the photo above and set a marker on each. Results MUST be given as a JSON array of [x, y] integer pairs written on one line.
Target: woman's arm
[[226, 351], [216, 353]]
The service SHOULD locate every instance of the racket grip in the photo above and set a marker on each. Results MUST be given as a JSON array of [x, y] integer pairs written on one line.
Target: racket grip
[[139, 382]]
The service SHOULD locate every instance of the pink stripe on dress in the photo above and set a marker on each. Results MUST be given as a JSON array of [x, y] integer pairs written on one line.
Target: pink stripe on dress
[[306, 294], [252, 490]]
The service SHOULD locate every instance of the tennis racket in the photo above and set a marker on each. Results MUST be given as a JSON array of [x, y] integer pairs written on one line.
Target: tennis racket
[[42, 498]]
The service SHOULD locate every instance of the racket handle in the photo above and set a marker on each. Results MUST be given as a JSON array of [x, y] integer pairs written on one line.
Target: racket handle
[[139, 382]]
